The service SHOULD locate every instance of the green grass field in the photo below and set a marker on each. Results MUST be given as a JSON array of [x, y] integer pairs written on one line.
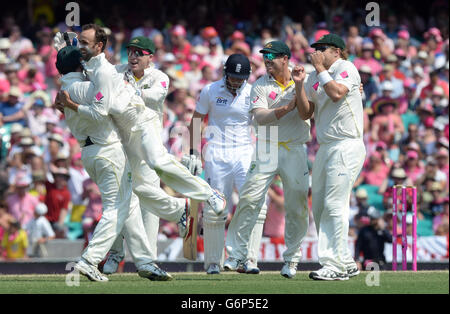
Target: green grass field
[[428, 282]]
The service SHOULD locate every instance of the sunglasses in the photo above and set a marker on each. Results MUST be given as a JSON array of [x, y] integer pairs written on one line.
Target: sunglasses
[[323, 48], [270, 56], [137, 53]]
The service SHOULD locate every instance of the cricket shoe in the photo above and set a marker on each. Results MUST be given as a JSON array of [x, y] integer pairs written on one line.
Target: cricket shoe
[[213, 269], [185, 221], [152, 272], [248, 267], [353, 272], [217, 202], [231, 264], [90, 271], [289, 269], [327, 274], [112, 263]]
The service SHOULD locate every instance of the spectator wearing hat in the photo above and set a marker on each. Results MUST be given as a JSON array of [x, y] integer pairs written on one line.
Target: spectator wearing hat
[[57, 199], [383, 46], [14, 242], [368, 59], [413, 168], [441, 157], [37, 108], [394, 61], [181, 48], [432, 171], [38, 185], [403, 42], [397, 176], [21, 203], [387, 125], [39, 232], [11, 110], [55, 145], [369, 246], [212, 41], [441, 220], [388, 76], [369, 85]]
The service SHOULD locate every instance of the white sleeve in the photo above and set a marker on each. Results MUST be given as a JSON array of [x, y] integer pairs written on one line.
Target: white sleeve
[[347, 75], [308, 87], [79, 93], [157, 92], [257, 98], [202, 105]]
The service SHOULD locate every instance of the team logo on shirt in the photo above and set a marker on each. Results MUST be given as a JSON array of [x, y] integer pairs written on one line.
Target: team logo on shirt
[[273, 95], [344, 74], [220, 101], [99, 96], [316, 86], [164, 84]]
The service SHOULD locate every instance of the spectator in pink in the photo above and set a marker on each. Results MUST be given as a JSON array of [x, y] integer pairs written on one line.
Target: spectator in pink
[[387, 125], [383, 46], [434, 81], [48, 54], [21, 203], [93, 211], [376, 171], [368, 59], [181, 48], [412, 166], [29, 75], [403, 37], [442, 161]]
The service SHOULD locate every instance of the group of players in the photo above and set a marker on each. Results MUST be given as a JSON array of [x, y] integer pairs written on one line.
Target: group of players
[[115, 112]]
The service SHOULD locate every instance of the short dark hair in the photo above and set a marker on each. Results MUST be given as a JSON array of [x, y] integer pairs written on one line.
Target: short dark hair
[[100, 34]]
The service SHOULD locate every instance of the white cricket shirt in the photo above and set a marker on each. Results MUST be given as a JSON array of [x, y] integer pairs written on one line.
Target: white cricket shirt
[[343, 119], [267, 93], [229, 121], [102, 131]]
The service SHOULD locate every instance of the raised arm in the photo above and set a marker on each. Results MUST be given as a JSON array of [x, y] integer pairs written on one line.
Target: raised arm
[[305, 107]]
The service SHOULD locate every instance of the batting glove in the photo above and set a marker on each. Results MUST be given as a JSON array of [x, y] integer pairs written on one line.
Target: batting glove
[[60, 42]]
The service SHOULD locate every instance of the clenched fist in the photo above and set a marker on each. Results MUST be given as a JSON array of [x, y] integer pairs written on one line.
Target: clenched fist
[[298, 74], [317, 59]]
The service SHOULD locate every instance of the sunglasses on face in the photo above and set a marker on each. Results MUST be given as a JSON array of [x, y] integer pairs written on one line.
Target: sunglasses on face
[[322, 48], [137, 53], [270, 56]]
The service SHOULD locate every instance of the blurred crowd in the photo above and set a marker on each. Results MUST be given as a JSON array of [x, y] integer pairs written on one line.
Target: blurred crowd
[[45, 193]]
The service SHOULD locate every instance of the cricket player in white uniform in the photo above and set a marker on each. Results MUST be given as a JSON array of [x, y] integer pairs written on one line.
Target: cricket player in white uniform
[[152, 85], [104, 159], [331, 93], [279, 150], [228, 155]]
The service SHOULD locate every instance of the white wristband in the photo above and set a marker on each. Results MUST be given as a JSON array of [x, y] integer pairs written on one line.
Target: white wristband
[[324, 77]]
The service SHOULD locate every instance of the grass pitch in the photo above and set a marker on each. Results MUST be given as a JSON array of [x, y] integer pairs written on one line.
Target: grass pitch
[[423, 282]]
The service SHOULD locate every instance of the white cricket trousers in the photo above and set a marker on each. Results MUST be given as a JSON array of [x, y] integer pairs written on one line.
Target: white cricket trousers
[[290, 162], [335, 170], [146, 142], [108, 168], [226, 168], [154, 203]]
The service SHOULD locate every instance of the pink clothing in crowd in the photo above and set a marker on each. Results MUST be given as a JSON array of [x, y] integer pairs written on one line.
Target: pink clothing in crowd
[[22, 208]]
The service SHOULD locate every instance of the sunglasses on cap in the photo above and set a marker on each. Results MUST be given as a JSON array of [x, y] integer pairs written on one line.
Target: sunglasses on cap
[[137, 53], [270, 56]]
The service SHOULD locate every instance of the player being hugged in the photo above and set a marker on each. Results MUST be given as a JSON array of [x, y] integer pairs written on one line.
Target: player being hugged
[[332, 94]]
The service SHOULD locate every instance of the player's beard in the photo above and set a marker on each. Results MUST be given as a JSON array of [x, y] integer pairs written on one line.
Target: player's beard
[[87, 53]]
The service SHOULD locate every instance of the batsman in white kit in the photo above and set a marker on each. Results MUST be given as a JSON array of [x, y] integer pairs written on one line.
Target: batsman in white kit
[[227, 157], [332, 94], [280, 150], [105, 161]]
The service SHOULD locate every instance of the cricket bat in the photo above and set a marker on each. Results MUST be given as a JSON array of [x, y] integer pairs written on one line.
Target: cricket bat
[[190, 241]]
